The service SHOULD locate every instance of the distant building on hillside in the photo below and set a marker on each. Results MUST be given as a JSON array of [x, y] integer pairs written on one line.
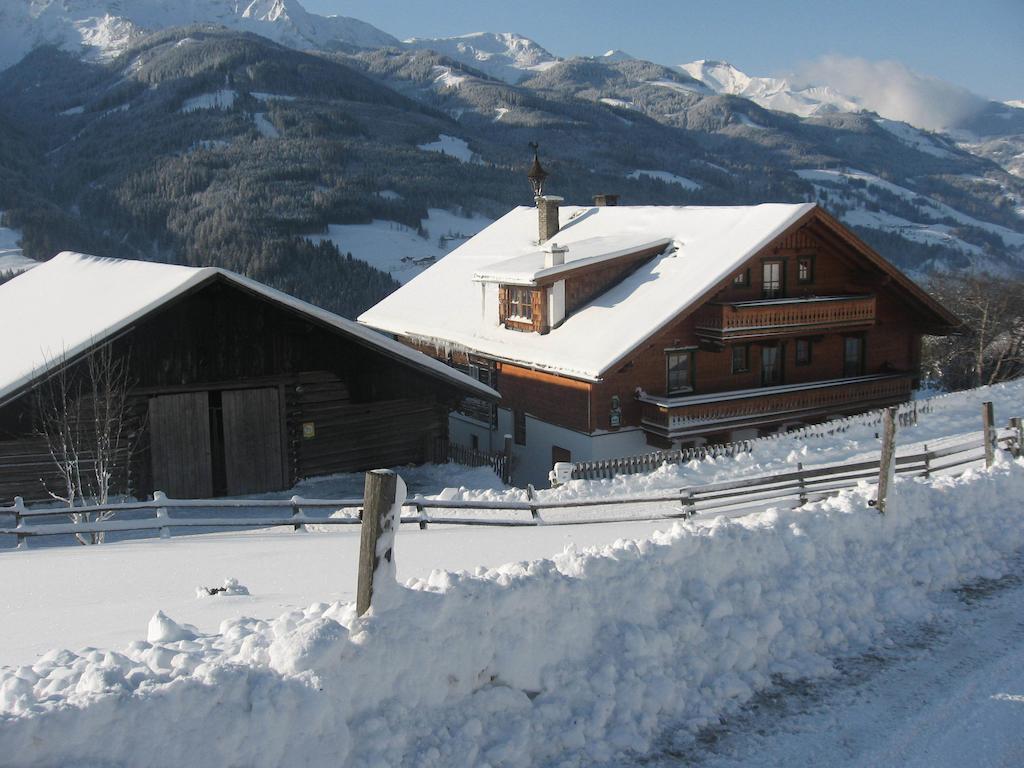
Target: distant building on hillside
[[234, 388], [610, 330]]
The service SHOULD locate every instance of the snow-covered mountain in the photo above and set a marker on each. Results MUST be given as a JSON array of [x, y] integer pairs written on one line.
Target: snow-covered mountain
[[504, 55], [104, 28], [770, 92]]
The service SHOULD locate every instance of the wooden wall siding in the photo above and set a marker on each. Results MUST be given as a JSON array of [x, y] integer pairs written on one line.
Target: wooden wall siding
[[545, 396], [538, 304], [180, 451], [582, 288], [355, 436], [253, 460], [835, 273]]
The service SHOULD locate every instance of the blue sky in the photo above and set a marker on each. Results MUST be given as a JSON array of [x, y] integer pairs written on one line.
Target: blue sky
[[975, 44]]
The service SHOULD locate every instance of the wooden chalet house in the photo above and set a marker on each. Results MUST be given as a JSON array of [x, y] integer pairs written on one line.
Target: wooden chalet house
[[234, 387], [611, 329]]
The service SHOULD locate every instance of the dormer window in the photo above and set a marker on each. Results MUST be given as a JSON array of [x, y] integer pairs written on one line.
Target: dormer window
[[520, 303]]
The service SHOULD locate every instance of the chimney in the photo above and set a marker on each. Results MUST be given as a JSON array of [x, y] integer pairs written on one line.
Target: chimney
[[547, 215], [603, 201], [554, 255]]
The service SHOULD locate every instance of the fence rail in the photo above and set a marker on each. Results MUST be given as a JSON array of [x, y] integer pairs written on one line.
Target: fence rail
[[803, 485]]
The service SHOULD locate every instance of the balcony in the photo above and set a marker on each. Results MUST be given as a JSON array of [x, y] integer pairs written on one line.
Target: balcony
[[673, 418], [780, 317]]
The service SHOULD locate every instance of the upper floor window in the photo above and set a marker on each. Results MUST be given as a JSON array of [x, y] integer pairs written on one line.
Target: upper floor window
[[679, 371], [802, 354], [772, 279], [520, 302], [742, 279], [805, 269], [853, 355], [771, 365], [740, 358]]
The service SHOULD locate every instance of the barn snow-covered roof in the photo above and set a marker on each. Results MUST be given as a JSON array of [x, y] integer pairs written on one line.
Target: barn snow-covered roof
[[58, 310]]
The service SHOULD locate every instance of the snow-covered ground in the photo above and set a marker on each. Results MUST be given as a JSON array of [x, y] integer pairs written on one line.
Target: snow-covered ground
[[668, 178], [11, 257], [399, 249], [453, 147], [571, 645], [222, 99]]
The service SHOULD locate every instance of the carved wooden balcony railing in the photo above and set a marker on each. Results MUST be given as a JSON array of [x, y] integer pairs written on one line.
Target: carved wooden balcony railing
[[678, 417], [776, 317]]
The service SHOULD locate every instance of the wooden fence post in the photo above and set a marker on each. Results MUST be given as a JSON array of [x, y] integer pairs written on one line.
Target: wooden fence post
[[689, 505], [506, 475], [989, 432], [1017, 424], [378, 499], [531, 495], [420, 513], [19, 521], [886, 464], [803, 483], [927, 462], [296, 513], [161, 513]]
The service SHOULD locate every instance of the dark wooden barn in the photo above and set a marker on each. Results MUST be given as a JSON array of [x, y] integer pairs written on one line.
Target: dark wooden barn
[[232, 387]]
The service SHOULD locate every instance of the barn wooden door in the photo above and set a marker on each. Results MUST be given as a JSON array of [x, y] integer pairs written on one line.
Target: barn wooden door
[[179, 433], [252, 440]]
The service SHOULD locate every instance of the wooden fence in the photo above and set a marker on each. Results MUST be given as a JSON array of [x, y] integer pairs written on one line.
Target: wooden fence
[[802, 485], [445, 451], [906, 415]]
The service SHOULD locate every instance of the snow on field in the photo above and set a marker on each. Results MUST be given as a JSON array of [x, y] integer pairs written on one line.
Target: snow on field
[[265, 127], [11, 257], [913, 137], [929, 208], [262, 96], [668, 178], [584, 658], [399, 249], [618, 103], [222, 99], [452, 146]]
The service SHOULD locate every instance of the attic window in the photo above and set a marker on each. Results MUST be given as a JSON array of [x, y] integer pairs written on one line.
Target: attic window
[[520, 303]]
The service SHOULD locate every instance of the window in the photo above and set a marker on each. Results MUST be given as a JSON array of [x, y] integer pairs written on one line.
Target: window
[[740, 358], [742, 280], [679, 371], [520, 302], [805, 269], [771, 366], [771, 279], [803, 352], [519, 426], [853, 356], [560, 454]]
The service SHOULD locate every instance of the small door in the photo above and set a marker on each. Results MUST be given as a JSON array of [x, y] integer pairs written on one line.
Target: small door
[[179, 440], [252, 440]]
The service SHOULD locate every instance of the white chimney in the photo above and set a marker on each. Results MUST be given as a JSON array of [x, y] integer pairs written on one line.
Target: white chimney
[[554, 255]]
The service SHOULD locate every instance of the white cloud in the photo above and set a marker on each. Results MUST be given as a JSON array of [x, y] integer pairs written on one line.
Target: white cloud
[[894, 91]]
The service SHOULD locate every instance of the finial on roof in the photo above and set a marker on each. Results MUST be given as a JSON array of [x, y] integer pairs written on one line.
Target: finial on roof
[[537, 174]]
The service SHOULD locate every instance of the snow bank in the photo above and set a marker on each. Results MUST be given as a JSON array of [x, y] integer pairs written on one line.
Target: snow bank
[[569, 661]]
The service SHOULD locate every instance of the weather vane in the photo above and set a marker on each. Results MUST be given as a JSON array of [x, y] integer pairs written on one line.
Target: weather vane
[[537, 174]]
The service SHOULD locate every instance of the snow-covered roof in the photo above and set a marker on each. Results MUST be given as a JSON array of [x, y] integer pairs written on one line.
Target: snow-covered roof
[[59, 309], [530, 268], [449, 305]]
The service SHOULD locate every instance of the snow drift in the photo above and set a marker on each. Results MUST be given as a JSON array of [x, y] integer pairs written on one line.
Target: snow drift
[[569, 661]]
